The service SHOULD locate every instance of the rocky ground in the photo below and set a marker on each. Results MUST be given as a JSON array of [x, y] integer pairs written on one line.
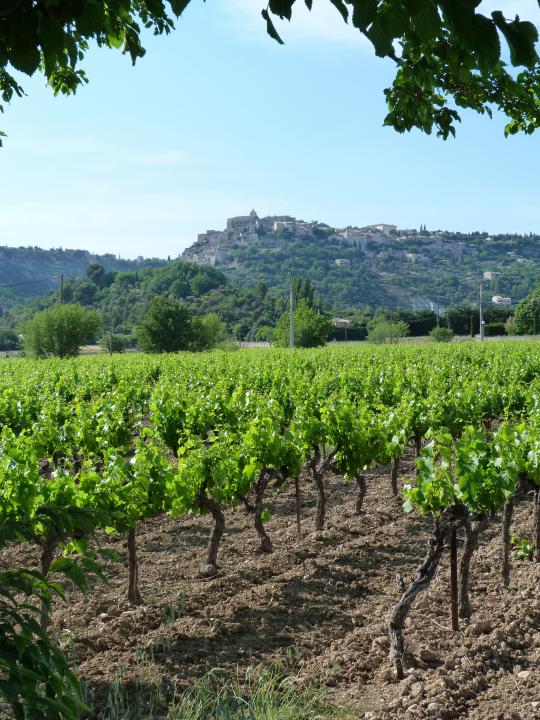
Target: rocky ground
[[319, 605]]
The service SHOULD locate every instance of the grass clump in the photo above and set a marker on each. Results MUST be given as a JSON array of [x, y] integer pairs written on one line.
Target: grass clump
[[259, 694]]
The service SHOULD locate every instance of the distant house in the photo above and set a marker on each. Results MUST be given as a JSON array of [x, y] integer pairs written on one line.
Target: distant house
[[340, 322], [284, 225], [490, 275], [342, 262], [501, 300], [385, 228], [355, 237]]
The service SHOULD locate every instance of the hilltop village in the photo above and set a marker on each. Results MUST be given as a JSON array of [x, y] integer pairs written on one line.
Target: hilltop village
[[375, 264]]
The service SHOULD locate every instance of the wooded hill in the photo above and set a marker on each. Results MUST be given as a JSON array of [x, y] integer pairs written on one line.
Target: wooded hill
[[405, 269]]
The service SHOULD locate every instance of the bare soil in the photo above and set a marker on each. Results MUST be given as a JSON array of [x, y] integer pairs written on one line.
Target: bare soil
[[319, 604]]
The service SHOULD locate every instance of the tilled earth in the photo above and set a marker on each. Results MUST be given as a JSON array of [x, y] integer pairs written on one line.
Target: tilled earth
[[319, 605]]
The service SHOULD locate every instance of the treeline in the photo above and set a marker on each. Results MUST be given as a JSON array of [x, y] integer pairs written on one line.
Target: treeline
[[122, 298]]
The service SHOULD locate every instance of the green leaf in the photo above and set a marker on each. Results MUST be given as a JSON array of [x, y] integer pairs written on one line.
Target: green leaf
[[178, 6], [283, 8], [25, 59], [342, 8], [364, 13], [521, 38], [266, 515], [71, 570], [270, 28], [486, 41]]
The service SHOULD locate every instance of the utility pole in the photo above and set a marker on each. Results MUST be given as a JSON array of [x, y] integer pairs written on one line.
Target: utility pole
[[61, 288], [481, 313], [291, 319]]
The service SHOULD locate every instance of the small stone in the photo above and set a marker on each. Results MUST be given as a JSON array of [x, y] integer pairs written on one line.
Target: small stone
[[535, 705], [381, 643], [433, 708], [428, 656], [481, 627], [524, 674], [104, 617], [417, 689], [208, 570]]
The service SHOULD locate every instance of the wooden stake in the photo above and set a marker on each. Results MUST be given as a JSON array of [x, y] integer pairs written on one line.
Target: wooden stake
[[454, 580]]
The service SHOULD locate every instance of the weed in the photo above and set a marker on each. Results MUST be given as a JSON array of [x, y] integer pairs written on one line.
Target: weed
[[259, 694], [523, 548]]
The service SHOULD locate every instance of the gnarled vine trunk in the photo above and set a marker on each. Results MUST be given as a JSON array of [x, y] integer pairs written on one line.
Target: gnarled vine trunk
[[395, 473], [362, 488], [133, 594], [48, 548], [508, 512], [298, 508], [417, 443], [472, 533], [536, 525], [421, 581], [210, 566], [260, 488], [321, 494], [449, 520], [454, 580]]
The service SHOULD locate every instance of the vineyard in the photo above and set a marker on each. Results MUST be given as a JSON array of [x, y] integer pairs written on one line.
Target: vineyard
[[370, 517]]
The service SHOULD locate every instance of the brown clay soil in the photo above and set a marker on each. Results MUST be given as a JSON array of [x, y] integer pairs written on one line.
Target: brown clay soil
[[320, 603]]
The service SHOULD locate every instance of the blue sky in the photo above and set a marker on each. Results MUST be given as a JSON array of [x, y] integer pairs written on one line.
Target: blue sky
[[218, 119]]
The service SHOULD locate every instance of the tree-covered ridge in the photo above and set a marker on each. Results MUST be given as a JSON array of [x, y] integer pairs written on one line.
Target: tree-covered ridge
[[31, 271], [358, 267]]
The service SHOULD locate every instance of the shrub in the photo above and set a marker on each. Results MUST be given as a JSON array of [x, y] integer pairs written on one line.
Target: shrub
[[60, 331], [441, 334], [9, 340], [388, 332], [209, 332], [113, 343], [310, 329], [166, 327]]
